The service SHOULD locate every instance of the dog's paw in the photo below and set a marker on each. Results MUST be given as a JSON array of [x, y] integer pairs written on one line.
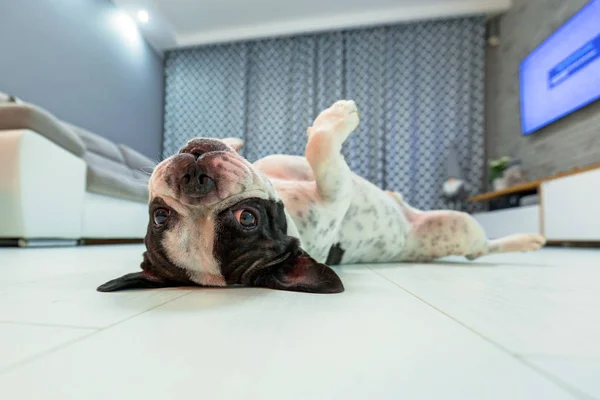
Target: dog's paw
[[532, 242], [340, 120]]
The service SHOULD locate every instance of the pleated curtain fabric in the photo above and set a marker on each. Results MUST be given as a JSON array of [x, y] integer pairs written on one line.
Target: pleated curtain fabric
[[419, 88]]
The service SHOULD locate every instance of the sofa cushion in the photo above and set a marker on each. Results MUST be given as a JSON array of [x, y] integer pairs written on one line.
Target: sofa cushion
[[108, 183], [141, 175], [101, 162], [137, 161], [110, 178], [97, 144], [28, 116], [109, 171], [116, 171]]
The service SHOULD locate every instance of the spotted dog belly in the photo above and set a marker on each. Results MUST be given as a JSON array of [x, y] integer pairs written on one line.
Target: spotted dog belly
[[372, 229], [315, 224]]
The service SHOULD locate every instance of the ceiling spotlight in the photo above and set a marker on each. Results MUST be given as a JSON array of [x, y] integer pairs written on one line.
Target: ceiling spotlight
[[127, 26], [143, 16]]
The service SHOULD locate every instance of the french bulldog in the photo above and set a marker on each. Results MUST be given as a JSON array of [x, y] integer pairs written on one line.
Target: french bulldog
[[218, 220]]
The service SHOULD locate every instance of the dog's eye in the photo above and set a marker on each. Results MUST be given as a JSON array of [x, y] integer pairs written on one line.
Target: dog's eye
[[160, 216], [246, 218]]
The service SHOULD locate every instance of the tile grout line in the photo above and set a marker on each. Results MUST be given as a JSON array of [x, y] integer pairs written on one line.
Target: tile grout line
[[554, 379], [51, 350]]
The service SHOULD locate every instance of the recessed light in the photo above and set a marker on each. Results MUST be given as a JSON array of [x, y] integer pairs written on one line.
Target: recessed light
[[127, 25], [143, 16]]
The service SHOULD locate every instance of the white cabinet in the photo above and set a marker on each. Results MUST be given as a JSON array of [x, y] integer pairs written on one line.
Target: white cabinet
[[571, 207], [510, 221], [569, 210]]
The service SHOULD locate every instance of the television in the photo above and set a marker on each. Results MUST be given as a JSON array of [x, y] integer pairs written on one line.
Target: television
[[562, 74]]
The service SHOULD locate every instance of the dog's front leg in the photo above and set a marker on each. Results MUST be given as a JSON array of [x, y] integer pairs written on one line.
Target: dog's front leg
[[323, 151]]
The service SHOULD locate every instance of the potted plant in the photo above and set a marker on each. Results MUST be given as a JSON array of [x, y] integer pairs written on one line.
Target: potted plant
[[496, 172]]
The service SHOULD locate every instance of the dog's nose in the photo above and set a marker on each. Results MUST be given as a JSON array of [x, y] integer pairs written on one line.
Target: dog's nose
[[196, 184]]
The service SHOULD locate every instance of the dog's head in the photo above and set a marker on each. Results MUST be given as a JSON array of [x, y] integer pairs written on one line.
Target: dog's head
[[216, 220]]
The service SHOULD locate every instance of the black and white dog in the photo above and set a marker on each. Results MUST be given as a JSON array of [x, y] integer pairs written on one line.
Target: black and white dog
[[217, 220]]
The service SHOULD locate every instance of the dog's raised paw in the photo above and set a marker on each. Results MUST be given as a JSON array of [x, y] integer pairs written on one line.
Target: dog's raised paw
[[340, 119]]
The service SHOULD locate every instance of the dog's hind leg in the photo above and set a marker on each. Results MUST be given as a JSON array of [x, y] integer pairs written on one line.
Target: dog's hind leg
[[513, 243], [436, 234]]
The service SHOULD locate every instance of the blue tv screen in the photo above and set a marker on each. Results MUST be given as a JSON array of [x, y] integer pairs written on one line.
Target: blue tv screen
[[563, 73]]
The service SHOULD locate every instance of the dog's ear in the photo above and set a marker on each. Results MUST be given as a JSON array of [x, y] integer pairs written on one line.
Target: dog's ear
[[156, 272], [302, 274], [235, 143], [135, 280]]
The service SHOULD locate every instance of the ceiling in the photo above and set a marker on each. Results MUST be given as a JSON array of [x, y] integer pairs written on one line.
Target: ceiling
[[184, 23]]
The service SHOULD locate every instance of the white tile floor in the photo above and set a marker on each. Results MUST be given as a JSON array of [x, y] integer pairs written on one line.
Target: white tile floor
[[521, 326]]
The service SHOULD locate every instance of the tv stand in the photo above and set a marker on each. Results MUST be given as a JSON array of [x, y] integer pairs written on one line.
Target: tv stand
[[568, 211]]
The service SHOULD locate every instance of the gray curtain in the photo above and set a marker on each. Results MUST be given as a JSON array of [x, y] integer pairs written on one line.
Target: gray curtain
[[419, 89]]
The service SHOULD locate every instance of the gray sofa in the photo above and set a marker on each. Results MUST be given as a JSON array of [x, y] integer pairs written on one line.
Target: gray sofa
[[100, 174]]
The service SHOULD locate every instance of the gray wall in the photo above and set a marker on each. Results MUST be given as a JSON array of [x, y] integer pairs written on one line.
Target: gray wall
[[571, 142], [70, 57]]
